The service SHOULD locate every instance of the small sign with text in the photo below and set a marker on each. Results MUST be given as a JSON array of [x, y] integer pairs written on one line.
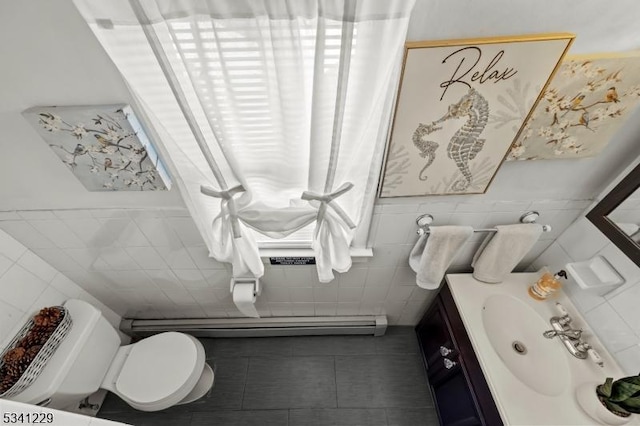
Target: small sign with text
[[306, 260]]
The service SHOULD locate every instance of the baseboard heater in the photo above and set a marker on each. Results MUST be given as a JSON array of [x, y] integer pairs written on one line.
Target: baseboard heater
[[261, 327]]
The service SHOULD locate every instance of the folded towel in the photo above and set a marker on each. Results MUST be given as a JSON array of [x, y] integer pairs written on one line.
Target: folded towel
[[434, 252], [499, 253]]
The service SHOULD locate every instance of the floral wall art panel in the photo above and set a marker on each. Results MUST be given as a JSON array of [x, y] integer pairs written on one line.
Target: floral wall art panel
[[461, 105], [104, 146], [585, 104]]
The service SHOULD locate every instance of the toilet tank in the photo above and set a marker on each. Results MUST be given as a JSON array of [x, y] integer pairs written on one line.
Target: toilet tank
[[80, 363]]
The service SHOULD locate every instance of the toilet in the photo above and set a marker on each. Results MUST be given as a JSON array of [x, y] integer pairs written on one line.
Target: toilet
[[153, 374], [159, 372]]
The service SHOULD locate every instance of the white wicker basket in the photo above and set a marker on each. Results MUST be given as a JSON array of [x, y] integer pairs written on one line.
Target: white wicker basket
[[43, 356]]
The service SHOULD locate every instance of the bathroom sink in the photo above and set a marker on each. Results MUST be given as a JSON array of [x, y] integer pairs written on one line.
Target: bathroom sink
[[515, 332]]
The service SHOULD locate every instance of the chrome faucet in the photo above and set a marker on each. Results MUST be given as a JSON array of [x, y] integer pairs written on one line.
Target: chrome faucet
[[570, 333], [570, 337]]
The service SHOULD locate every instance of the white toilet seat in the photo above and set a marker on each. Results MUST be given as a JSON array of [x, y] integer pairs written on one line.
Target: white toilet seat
[[159, 371]]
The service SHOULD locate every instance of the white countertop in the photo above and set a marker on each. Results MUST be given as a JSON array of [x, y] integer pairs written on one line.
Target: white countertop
[[517, 403]]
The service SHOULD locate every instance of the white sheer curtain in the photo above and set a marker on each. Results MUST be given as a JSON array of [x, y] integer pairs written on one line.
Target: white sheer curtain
[[273, 113]]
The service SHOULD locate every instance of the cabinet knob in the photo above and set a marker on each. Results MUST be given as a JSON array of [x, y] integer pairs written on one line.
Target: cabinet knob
[[444, 351], [448, 364]]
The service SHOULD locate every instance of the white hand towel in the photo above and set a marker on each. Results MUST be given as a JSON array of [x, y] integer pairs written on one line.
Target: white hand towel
[[500, 252], [434, 252]]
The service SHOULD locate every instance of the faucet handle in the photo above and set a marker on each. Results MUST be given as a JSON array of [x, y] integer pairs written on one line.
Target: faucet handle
[[565, 319], [583, 346], [562, 310], [595, 357]]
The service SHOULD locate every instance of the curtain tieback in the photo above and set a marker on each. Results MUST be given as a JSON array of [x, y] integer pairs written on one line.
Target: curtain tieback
[[326, 200], [226, 196]]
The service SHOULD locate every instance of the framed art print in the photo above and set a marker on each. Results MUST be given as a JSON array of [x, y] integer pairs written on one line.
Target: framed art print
[[104, 146], [461, 105], [582, 108]]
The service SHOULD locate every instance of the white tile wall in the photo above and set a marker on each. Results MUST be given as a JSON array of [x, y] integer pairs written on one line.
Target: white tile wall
[[153, 263], [28, 283], [615, 316]]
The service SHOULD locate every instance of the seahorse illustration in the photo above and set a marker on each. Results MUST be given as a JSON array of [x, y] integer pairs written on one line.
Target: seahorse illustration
[[465, 143], [427, 148]]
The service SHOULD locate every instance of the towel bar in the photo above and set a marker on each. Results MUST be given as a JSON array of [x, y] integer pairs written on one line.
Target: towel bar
[[424, 221]]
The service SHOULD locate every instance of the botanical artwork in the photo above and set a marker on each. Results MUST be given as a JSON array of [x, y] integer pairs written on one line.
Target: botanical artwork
[[104, 146], [460, 107], [584, 105]]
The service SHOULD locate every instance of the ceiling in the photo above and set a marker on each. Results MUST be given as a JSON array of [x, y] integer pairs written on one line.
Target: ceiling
[[600, 26]]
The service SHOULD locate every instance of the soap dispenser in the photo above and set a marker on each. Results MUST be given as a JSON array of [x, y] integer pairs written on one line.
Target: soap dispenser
[[547, 284]]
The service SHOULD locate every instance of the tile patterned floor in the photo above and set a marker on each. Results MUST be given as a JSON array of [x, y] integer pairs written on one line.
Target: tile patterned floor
[[310, 381]]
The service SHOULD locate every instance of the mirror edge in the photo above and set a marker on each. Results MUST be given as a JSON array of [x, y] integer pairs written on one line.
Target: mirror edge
[[598, 215]]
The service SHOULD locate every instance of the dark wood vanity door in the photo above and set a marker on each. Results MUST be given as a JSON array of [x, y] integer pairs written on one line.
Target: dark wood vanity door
[[455, 402], [460, 393], [434, 326]]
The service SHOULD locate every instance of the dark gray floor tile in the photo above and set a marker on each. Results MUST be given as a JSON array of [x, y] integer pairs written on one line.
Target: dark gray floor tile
[[214, 347], [113, 404], [412, 417], [333, 345], [228, 385], [398, 340], [258, 374], [337, 417], [255, 346], [380, 381], [142, 418], [271, 346], [281, 382], [241, 418]]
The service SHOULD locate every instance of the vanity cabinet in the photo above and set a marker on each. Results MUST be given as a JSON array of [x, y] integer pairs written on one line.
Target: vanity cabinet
[[458, 386]]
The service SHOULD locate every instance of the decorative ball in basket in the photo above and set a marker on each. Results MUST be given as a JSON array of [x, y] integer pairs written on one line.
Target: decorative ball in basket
[[26, 355]]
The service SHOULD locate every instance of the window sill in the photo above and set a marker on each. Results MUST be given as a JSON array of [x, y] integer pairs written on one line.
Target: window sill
[[358, 254]]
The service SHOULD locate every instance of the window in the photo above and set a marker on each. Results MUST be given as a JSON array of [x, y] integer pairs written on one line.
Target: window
[[272, 114]]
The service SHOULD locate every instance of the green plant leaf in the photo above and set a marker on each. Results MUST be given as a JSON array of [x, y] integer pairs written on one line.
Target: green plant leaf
[[614, 407], [621, 390], [632, 380], [632, 405], [605, 388]]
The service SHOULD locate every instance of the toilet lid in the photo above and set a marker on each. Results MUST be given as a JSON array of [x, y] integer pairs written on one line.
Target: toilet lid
[[159, 366]]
